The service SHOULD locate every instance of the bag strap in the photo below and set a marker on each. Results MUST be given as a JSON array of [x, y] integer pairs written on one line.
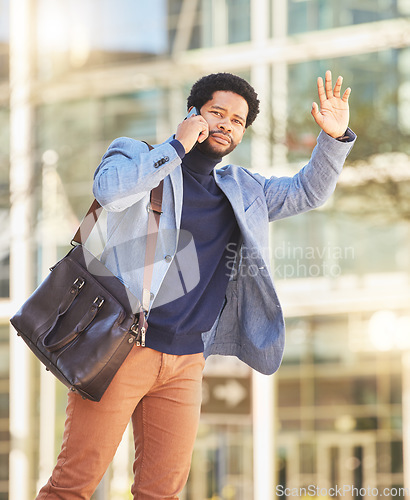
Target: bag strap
[[94, 212], [88, 223], [154, 213]]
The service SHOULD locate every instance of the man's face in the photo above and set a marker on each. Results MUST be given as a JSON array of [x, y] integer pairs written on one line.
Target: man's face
[[226, 115]]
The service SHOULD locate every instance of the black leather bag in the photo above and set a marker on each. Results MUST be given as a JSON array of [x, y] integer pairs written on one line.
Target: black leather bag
[[82, 321]]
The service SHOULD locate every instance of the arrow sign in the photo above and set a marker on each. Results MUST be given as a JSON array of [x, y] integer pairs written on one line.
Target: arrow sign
[[232, 393], [223, 395]]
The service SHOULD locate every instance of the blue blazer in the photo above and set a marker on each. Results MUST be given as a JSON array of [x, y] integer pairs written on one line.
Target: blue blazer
[[250, 324]]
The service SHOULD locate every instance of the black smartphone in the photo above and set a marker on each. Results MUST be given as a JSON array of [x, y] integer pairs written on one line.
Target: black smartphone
[[193, 112]]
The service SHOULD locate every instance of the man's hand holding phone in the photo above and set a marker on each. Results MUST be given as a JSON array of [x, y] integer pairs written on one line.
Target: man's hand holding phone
[[193, 129]]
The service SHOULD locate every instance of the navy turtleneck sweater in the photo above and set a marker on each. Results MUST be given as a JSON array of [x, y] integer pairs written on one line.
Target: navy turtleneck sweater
[[208, 222]]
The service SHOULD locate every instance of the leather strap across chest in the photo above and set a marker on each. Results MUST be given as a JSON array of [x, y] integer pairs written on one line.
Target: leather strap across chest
[[154, 213]]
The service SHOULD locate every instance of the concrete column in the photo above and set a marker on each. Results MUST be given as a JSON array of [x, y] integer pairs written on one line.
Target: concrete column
[[264, 440], [406, 417], [263, 412], [260, 76], [21, 258], [279, 87], [49, 231]]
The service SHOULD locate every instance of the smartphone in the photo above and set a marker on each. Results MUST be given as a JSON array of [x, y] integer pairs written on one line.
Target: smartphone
[[193, 112]]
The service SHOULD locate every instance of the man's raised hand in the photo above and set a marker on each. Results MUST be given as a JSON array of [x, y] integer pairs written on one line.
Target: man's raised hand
[[333, 115], [192, 130]]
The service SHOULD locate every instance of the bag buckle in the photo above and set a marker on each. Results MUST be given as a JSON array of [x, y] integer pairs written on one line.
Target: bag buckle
[[150, 209], [79, 282], [135, 332], [99, 301]]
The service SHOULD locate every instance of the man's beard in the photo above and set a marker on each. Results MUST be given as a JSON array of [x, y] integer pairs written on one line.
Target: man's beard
[[207, 149]]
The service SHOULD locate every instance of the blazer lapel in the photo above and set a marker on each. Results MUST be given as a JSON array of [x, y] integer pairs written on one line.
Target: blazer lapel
[[232, 191], [177, 187]]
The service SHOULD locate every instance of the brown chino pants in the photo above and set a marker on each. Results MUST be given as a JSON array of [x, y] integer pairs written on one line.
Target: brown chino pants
[[161, 393]]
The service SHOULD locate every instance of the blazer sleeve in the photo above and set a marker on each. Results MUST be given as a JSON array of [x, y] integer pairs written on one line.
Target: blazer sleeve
[[129, 170], [313, 184]]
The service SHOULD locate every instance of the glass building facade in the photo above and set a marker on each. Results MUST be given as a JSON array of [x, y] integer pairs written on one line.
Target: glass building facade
[[100, 70]]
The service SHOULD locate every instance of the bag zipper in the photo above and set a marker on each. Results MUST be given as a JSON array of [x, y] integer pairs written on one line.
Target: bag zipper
[[139, 334]]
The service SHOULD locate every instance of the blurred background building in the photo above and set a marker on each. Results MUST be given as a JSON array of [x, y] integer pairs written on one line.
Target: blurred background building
[[74, 75]]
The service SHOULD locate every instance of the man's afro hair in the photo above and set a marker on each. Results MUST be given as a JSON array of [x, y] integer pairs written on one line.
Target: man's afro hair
[[203, 90]]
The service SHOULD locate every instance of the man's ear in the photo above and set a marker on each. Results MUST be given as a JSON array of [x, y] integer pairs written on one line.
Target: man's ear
[[242, 136]]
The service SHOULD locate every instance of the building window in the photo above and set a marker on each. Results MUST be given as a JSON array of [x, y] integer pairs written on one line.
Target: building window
[[312, 15]]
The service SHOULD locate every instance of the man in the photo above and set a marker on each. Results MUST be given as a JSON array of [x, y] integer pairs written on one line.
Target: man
[[211, 291]]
